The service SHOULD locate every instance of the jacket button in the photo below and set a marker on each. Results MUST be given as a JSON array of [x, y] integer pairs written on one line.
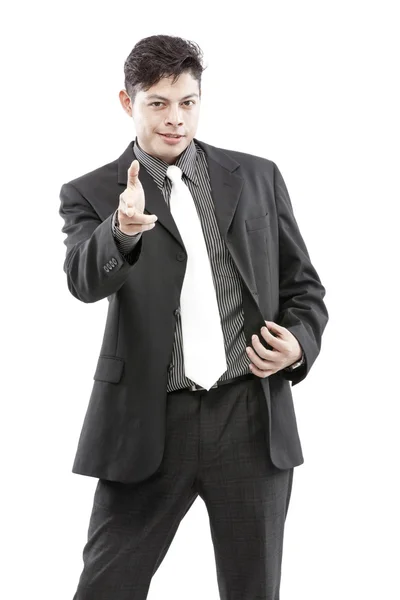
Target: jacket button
[[181, 256], [170, 367], [177, 311]]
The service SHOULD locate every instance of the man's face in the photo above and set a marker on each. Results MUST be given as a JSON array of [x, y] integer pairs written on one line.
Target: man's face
[[165, 108]]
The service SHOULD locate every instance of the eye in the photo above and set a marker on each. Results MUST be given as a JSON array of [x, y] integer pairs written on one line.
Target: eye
[[158, 102]]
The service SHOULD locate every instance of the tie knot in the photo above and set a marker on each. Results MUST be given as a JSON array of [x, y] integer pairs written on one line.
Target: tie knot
[[174, 173]]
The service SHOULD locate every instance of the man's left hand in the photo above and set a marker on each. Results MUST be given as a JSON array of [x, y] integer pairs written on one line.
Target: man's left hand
[[286, 350]]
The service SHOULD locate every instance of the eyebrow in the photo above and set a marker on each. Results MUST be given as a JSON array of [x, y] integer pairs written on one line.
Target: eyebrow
[[163, 98]]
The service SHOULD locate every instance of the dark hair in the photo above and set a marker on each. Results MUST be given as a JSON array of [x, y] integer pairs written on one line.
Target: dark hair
[[160, 56]]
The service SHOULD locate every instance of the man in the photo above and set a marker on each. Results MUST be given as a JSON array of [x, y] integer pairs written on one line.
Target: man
[[214, 307]]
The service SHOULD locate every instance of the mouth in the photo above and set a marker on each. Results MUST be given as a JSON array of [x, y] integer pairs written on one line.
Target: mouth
[[172, 135]]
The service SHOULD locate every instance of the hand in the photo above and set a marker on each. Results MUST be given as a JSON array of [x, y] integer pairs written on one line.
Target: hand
[[286, 351], [131, 217]]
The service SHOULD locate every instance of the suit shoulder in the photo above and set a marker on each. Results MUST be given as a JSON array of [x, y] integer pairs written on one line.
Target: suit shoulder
[[245, 157], [96, 178], [251, 161]]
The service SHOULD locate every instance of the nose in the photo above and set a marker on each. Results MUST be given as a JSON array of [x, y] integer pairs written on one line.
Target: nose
[[174, 117]]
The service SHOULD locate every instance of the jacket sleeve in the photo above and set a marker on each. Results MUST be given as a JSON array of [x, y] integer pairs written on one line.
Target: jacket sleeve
[[94, 265], [301, 307]]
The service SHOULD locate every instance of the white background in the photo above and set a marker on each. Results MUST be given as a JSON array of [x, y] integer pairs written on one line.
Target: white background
[[312, 86]]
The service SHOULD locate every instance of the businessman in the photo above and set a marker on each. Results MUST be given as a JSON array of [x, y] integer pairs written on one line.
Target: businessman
[[214, 308]]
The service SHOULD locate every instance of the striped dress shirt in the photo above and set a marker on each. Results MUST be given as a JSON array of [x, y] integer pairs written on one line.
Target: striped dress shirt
[[226, 278], [227, 281]]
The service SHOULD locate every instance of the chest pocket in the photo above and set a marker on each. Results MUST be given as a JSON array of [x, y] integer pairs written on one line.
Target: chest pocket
[[257, 223], [258, 230]]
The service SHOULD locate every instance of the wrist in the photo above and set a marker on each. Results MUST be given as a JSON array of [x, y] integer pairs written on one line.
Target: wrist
[[297, 364]]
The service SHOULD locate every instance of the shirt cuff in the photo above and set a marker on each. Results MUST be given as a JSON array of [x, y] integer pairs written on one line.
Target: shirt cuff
[[125, 242]]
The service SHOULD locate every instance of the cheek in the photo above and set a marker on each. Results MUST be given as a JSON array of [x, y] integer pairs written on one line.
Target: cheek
[[194, 117], [146, 121]]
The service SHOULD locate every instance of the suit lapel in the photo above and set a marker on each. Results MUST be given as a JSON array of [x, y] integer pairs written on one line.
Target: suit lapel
[[226, 189]]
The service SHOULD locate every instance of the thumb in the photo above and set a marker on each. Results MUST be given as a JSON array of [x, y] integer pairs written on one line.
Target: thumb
[[133, 173]]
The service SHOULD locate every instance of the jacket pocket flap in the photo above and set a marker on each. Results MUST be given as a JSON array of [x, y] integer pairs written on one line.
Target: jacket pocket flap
[[109, 368], [257, 223]]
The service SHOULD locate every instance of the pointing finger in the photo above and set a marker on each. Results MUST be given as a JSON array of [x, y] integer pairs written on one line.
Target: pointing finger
[[133, 173]]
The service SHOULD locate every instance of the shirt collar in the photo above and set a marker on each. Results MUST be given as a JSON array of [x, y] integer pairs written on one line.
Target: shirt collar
[[158, 168]]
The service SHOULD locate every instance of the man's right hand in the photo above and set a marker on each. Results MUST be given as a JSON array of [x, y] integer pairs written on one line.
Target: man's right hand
[[131, 205]]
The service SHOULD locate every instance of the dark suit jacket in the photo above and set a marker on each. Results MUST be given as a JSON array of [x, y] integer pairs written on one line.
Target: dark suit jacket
[[123, 433]]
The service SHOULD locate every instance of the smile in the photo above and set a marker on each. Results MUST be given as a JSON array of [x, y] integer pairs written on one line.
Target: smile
[[171, 139]]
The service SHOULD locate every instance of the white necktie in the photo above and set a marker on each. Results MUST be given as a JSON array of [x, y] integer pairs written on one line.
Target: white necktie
[[203, 341]]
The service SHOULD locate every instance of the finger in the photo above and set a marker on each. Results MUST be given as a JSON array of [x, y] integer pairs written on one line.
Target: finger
[[147, 227], [138, 217], [269, 360], [133, 173], [255, 359], [272, 340], [281, 331], [127, 208], [259, 348], [134, 228], [259, 372]]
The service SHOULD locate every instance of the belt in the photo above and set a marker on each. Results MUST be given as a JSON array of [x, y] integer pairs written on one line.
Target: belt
[[197, 388]]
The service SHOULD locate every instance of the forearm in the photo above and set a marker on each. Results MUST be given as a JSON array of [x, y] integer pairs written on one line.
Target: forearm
[[94, 265], [301, 293]]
